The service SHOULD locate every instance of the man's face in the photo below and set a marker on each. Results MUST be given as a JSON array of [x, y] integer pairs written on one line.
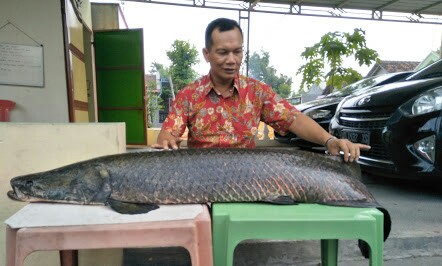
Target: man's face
[[225, 54]]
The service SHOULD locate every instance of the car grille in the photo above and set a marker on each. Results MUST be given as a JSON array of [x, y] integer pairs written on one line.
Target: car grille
[[372, 122], [363, 120], [377, 151]]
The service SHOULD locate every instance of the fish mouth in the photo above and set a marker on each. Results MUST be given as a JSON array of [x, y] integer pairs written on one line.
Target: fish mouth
[[20, 196], [14, 196]]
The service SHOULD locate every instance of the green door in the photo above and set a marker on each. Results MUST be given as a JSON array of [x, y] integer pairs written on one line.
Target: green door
[[119, 69]]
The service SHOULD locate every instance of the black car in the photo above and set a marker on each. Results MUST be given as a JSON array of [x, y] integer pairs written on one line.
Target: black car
[[322, 110], [402, 122]]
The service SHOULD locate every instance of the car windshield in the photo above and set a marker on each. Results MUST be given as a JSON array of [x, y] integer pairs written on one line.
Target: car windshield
[[432, 71], [359, 85]]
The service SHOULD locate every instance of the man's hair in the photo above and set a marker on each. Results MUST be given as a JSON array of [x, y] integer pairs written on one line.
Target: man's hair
[[223, 24]]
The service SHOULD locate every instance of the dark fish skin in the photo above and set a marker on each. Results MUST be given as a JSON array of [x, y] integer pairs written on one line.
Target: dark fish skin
[[203, 175], [226, 175]]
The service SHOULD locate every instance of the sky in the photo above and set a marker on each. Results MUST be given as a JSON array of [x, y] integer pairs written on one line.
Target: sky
[[283, 36]]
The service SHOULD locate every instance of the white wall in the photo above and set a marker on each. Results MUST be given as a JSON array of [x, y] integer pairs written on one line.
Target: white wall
[[41, 20], [33, 147]]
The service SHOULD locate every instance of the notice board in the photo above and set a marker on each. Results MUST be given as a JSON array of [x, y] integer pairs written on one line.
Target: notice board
[[21, 65]]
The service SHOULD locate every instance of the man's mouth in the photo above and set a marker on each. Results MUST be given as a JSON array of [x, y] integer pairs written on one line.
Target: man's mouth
[[230, 70]]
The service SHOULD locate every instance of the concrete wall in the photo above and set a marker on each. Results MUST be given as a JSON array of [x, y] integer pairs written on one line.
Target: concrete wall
[[34, 147], [41, 20]]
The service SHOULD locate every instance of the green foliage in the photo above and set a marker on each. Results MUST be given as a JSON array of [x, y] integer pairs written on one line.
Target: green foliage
[[344, 78], [284, 90], [332, 49], [183, 56], [259, 69], [312, 72], [157, 67]]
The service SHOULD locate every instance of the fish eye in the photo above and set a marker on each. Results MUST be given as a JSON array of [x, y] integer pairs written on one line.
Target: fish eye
[[29, 183]]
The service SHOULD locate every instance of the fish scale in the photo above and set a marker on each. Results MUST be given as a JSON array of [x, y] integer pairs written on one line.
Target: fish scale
[[229, 175]]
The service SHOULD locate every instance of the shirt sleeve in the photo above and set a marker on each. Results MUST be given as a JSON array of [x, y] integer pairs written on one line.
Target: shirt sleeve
[[176, 120], [277, 111]]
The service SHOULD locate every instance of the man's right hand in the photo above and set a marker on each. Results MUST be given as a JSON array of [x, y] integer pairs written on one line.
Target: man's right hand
[[166, 141]]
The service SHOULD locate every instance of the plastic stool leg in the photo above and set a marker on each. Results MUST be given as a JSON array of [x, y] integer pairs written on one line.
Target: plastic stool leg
[[329, 252], [376, 251], [376, 242], [68, 257], [230, 253], [219, 241], [11, 236]]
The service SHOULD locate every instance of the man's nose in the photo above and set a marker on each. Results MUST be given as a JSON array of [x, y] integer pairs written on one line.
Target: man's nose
[[231, 57]]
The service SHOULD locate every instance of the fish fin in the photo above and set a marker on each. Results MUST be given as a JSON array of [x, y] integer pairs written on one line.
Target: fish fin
[[281, 200], [131, 208]]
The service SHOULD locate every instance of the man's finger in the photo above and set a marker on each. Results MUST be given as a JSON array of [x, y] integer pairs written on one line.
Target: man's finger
[[173, 144], [364, 147], [156, 146], [357, 153], [165, 144], [346, 151]]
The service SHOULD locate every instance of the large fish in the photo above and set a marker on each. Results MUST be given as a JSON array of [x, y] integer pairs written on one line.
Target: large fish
[[138, 182]]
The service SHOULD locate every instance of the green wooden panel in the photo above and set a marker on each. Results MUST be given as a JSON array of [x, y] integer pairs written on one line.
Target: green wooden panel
[[119, 88], [132, 118], [120, 81], [119, 48]]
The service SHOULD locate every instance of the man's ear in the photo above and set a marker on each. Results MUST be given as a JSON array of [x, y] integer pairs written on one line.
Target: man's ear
[[206, 54]]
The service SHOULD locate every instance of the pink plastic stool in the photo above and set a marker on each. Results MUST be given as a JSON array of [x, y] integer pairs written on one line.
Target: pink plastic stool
[[5, 106], [193, 234]]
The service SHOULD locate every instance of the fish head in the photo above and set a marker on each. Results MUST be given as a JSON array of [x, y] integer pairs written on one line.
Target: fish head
[[80, 184]]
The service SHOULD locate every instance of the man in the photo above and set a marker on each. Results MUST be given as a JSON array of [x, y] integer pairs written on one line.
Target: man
[[223, 108]]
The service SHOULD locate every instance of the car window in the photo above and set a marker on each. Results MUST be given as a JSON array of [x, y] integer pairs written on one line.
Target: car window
[[432, 71], [352, 87], [365, 83]]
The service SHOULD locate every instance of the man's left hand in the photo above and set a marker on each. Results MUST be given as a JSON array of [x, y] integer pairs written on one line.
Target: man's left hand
[[351, 150]]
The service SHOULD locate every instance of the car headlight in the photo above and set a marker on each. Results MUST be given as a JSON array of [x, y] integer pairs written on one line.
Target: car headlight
[[319, 114], [427, 102]]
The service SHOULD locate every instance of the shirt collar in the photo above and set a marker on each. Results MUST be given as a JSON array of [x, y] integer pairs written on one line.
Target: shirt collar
[[206, 82]]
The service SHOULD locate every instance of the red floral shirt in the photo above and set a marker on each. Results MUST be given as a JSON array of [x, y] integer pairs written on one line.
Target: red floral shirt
[[215, 121]]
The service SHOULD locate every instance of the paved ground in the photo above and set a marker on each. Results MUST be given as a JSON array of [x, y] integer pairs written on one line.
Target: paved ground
[[415, 239]]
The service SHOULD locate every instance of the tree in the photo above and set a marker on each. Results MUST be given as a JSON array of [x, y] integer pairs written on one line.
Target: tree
[[154, 102], [166, 92], [349, 77], [259, 69], [332, 49], [183, 56]]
